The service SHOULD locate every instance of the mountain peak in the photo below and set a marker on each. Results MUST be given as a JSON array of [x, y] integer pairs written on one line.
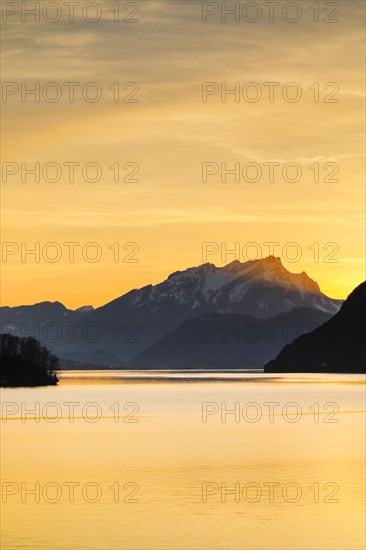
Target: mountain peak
[[267, 262], [269, 270], [234, 267], [84, 309], [261, 288], [272, 270], [47, 304], [271, 260]]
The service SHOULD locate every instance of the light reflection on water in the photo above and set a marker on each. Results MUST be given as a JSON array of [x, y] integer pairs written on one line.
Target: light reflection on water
[[161, 446]]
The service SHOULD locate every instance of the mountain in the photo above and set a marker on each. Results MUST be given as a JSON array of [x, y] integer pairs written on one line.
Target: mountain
[[336, 346], [100, 357], [227, 341], [39, 316], [261, 288], [131, 323]]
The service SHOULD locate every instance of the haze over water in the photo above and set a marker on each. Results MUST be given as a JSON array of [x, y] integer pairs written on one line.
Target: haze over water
[[157, 468]]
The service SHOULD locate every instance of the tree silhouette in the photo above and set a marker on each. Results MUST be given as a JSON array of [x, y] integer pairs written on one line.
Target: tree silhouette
[[25, 362]]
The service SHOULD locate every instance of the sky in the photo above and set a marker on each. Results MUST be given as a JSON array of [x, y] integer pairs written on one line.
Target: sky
[[158, 215]]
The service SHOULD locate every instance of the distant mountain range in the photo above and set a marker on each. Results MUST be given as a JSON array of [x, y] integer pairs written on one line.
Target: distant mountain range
[[227, 340], [336, 346], [128, 328]]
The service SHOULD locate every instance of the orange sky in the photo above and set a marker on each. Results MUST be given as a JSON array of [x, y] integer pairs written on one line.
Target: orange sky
[[169, 212]]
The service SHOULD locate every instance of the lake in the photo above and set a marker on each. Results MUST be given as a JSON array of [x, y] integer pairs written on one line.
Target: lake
[[189, 460]]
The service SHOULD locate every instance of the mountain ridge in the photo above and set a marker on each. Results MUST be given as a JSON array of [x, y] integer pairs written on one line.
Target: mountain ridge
[[231, 340], [135, 320], [335, 346]]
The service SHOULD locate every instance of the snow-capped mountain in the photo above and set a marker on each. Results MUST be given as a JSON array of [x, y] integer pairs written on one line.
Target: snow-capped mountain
[[126, 326], [261, 288]]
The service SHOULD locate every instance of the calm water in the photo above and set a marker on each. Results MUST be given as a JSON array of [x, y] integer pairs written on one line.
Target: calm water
[[155, 460]]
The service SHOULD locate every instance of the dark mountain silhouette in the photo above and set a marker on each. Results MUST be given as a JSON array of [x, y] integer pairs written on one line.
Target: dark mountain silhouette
[[336, 346], [227, 341], [31, 319], [100, 358], [133, 322], [25, 362], [70, 364]]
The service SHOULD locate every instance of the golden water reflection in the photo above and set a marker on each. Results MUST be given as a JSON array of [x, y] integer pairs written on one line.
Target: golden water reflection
[[154, 475]]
